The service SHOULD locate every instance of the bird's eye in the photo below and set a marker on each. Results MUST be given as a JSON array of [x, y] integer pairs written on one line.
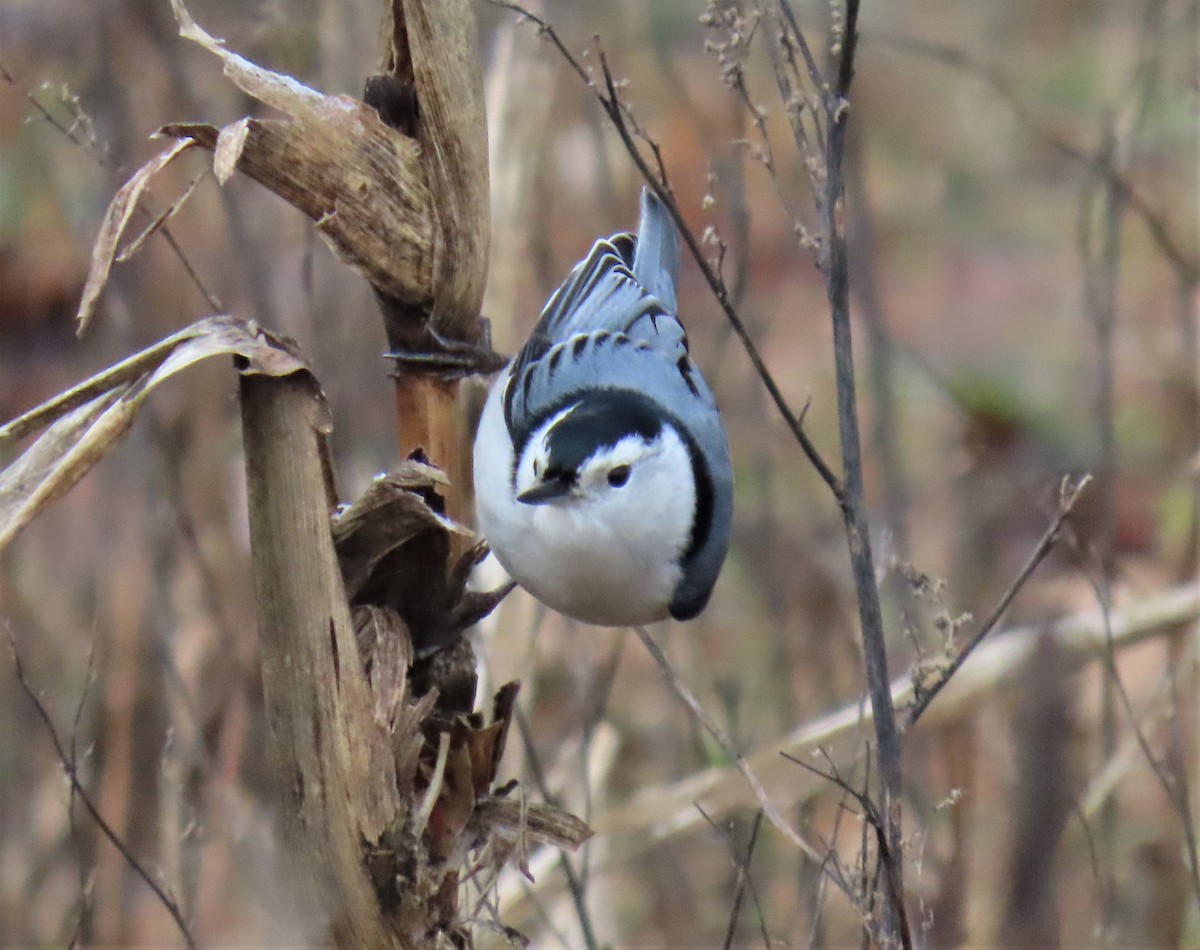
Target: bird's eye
[[618, 476]]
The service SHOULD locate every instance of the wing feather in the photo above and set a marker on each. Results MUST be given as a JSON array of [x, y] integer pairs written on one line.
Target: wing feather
[[624, 288]]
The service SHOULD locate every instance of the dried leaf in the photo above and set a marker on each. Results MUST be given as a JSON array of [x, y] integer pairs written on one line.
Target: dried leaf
[[386, 651], [230, 142], [503, 705], [393, 545], [335, 160], [408, 741], [546, 824], [394, 511], [482, 745], [135, 246], [273, 89], [116, 220], [456, 801], [62, 456], [89, 421]]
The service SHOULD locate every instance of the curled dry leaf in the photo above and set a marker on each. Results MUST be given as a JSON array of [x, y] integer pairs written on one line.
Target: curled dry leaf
[[544, 824], [88, 421], [410, 607], [455, 803], [449, 763], [408, 742], [393, 545], [396, 509], [469, 809], [386, 651], [157, 223], [363, 183], [228, 150], [112, 228]]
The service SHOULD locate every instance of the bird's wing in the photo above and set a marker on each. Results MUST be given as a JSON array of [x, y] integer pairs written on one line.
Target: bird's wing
[[611, 324], [622, 279]]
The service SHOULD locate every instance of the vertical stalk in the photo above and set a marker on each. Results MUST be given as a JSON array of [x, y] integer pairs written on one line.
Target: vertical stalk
[[429, 415], [853, 511], [332, 761]]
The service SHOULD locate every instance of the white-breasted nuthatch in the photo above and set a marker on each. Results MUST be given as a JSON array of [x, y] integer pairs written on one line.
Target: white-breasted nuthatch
[[602, 474]]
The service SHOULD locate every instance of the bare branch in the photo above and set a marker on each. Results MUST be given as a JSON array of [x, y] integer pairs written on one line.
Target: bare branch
[[735, 38], [1173, 781], [888, 859], [682, 690], [1185, 265], [744, 881], [837, 281], [810, 62], [923, 696], [742, 869], [669, 809], [67, 762], [101, 159]]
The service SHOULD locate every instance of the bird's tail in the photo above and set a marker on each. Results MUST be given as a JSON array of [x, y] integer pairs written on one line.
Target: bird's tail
[[656, 260]]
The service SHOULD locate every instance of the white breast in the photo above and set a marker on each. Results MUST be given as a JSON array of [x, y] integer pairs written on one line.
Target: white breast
[[614, 565]]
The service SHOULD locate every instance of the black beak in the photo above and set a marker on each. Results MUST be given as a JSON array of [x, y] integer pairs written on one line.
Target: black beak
[[546, 492]]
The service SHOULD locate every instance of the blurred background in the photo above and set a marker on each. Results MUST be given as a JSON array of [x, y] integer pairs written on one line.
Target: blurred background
[[1023, 224]]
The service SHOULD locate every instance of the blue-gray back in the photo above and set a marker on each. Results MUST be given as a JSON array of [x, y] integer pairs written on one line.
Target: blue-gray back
[[611, 324]]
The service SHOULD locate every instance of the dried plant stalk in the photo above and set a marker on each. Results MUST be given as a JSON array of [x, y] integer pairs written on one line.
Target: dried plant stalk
[[433, 46], [337, 784], [431, 49]]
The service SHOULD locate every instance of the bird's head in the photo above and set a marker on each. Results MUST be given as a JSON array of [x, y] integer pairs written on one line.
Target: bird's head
[[614, 454]]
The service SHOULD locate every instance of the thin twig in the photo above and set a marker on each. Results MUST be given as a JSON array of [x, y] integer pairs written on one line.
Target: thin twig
[[68, 767], [1186, 266], [683, 691], [810, 62], [1182, 796], [73, 751], [576, 887], [792, 38], [1174, 783], [837, 280], [735, 37], [742, 870], [1101, 271], [746, 881], [1068, 496], [100, 159], [887, 856], [868, 889], [816, 918]]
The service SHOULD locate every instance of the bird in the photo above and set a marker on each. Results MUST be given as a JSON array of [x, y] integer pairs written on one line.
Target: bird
[[603, 481]]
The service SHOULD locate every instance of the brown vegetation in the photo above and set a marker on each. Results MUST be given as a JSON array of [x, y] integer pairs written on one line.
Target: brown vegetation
[[940, 663]]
